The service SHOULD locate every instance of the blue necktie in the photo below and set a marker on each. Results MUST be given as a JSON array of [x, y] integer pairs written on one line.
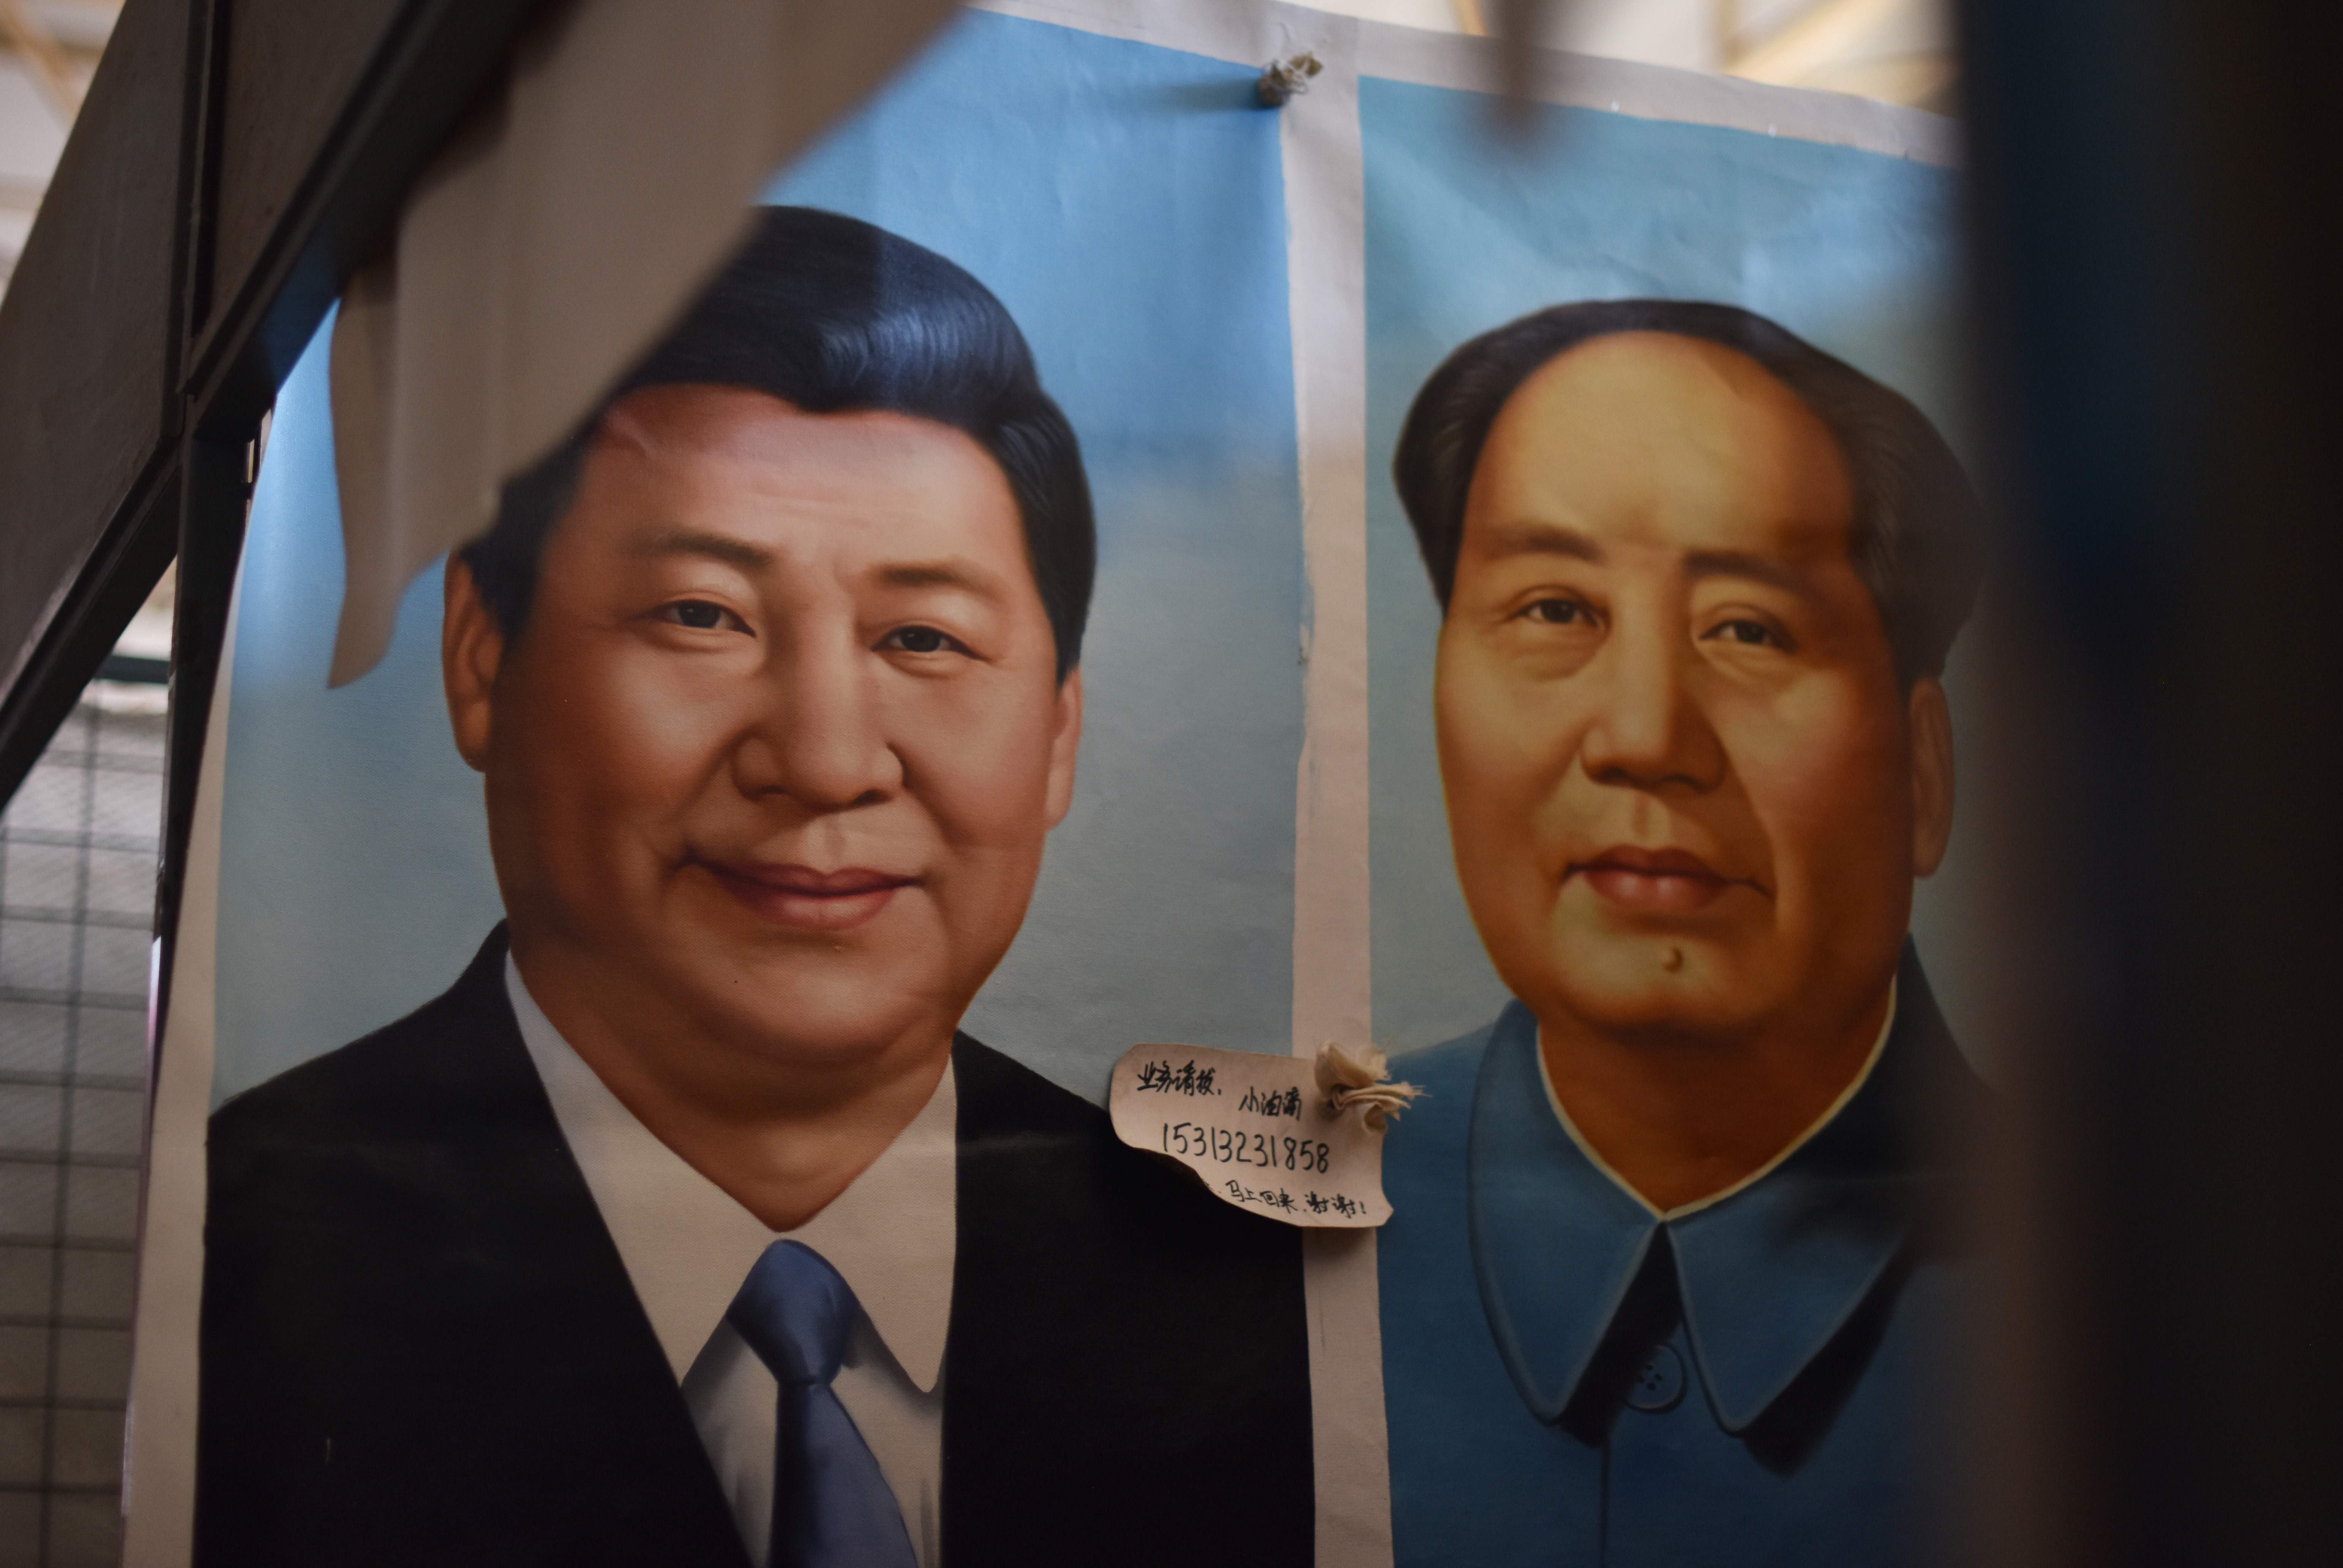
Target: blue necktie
[[831, 1507]]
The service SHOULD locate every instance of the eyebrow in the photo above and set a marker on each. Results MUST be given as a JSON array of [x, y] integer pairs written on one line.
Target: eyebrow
[[1766, 570], [939, 574], [734, 552], [1529, 538], [751, 558], [1525, 539]]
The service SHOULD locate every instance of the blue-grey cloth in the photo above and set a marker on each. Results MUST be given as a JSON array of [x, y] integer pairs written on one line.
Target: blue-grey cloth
[[1570, 1380], [831, 1505]]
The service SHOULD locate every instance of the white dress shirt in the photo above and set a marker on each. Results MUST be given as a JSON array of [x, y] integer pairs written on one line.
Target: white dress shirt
[[688, 1247]]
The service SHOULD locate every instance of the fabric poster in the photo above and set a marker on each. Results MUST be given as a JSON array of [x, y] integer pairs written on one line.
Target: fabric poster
[[1108, 562]]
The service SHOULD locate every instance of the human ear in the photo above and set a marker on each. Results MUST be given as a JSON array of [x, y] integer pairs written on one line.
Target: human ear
[[1063, 744], [1930, 724], [471, 651]]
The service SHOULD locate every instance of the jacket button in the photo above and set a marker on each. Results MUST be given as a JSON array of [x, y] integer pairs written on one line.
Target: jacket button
[[1660, 1383]]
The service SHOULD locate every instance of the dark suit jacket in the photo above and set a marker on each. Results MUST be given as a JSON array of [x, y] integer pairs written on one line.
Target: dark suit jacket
[[419, 1344]]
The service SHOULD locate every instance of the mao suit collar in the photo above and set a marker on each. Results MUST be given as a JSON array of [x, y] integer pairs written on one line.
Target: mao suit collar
[[1765, 1276]]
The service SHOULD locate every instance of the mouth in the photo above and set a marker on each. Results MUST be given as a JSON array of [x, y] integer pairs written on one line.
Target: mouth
[[1655, 882], [804, 898]]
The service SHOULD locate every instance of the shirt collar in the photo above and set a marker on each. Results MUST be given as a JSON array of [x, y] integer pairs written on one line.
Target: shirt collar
[[687, 1245], [1767, 1272]]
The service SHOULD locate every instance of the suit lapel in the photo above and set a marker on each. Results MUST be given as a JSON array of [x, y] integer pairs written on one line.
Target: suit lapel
[[420, 1343], [558, 1307], [1126, 1375]]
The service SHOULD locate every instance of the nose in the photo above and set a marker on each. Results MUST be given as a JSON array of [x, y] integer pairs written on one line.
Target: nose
[[1649, 730], [817, 738]]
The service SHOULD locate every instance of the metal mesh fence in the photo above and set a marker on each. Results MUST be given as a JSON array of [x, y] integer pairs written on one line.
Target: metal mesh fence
[[77, 855]]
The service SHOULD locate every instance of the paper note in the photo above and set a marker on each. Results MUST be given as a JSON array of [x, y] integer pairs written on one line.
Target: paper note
[[1255, 1128]]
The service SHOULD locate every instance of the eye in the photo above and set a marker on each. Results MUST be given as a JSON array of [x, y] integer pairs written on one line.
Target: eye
[[699, 615], [1747, 633], [1560, 612], [921, 639]]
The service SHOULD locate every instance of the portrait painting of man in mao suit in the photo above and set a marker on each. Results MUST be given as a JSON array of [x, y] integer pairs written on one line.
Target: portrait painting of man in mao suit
[[1667, 1277], [686, 1227]]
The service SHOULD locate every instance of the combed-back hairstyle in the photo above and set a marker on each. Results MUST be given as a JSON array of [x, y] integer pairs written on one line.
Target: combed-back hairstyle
[[832, 315], [1917, 538]]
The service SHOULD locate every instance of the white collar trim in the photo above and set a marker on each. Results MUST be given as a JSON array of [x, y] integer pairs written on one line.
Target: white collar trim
[[1682, 1210]]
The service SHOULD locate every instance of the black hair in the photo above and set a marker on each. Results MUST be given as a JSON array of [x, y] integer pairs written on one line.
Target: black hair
[[833, 314], [1916, 541]]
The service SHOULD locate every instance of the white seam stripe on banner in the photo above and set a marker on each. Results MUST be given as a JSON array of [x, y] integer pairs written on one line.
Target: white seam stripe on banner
[[1325, 205]]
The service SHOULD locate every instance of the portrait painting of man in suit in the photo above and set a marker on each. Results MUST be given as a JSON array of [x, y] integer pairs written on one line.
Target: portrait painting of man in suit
[[1667, 1281], [686, 1226]]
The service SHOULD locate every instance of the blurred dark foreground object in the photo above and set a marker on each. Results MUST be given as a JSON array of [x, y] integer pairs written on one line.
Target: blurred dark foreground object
[[2155, 195]]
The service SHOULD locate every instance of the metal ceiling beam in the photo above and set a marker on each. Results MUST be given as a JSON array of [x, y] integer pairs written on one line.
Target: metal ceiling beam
[[230, 167]]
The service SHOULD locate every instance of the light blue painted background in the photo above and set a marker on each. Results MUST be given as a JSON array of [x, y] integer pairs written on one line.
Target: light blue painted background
[[1851, 251], [1125, 201]]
